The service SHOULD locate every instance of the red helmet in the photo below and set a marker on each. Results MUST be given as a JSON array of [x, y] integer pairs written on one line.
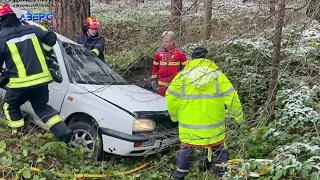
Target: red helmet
[[5, 9], [92, 23]]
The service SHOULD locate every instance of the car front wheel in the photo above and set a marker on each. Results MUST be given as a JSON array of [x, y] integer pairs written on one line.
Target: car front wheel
[[88, 137]]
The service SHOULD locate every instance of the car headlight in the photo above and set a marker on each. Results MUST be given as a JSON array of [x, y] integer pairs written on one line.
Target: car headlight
[[143, 125]]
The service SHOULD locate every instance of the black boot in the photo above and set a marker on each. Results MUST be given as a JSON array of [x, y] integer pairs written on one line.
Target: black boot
[[68, 138], [62, 132]]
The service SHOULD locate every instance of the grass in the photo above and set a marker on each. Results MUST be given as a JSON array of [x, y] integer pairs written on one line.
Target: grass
[[37, 148]]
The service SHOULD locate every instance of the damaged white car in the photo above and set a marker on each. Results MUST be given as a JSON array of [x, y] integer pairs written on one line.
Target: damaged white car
[[106, 113]]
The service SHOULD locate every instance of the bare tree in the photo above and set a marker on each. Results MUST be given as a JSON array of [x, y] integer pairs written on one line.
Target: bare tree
[[313, 9], [272, 6], [69, 16], [207, 19], [176, 9], [276, 56]]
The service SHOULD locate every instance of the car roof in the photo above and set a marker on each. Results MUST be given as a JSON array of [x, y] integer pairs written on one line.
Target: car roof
[[19, 12]]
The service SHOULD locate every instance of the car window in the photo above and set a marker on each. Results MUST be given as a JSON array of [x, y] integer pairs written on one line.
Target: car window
[[86, 68], [53, 64]]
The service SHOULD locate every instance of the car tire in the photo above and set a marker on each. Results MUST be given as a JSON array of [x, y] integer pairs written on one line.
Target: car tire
[[91, 134]]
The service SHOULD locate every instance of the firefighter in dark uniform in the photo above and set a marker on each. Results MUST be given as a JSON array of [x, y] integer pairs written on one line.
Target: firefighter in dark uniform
[[91, 39], [21, 48]]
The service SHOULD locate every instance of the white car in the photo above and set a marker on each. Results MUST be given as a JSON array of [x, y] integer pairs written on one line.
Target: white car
[[100, 106]]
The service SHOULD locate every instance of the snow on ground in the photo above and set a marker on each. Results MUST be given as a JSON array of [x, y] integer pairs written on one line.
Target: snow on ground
[[223, 10], [126, 10], [130, 10]]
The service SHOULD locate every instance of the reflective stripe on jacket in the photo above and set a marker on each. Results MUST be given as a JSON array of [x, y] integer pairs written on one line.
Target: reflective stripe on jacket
[[21, 49], [196, 98]]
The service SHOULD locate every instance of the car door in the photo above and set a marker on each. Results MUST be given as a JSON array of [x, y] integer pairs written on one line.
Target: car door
[[57, 90]]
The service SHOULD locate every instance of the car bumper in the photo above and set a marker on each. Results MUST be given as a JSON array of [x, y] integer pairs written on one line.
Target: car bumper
[[123, 136], [146, 143]]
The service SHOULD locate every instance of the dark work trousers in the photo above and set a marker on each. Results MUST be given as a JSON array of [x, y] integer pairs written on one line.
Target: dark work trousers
[[219, 153], [38, 97]]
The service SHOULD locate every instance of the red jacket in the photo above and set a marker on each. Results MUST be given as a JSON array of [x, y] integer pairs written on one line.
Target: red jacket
[[167, 64]]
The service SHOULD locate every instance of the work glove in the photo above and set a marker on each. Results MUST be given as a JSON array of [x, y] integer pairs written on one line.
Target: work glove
[[4, 78], [154, 85]]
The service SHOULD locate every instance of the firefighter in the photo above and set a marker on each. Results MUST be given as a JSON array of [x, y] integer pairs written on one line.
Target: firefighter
[[21, 48], [196, 98], [167, 62], [91, 39]]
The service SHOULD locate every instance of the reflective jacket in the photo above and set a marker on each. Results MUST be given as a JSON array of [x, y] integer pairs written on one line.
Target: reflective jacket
[[197, 97], [93, 43], [21, 48], [166, 65]]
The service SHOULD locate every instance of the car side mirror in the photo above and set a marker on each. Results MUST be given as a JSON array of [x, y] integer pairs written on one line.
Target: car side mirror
[[55, 76]]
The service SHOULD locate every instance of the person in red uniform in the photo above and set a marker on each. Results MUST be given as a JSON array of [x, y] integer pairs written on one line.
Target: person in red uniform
[[167, 63]]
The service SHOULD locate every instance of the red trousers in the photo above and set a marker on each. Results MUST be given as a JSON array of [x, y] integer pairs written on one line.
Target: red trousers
[[162, 90]]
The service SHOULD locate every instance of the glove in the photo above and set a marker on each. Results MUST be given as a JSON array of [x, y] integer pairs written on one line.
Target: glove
[[4, 78], [94, 52], [154, 85]]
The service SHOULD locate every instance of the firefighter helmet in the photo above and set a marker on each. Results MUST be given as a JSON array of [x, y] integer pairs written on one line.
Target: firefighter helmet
[[92, 23], [5, 9]]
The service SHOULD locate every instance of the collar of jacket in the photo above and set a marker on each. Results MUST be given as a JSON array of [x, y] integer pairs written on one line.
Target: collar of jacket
[[92, 37], [170, 50], [201, 62]]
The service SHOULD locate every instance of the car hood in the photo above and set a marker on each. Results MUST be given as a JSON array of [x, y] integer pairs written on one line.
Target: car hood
[[130, 97]]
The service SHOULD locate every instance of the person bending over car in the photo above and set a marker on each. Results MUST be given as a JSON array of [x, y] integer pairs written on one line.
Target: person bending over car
[[21, 48]]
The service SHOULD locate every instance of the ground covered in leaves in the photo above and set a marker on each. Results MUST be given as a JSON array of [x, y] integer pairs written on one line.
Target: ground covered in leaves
[[34, 154]]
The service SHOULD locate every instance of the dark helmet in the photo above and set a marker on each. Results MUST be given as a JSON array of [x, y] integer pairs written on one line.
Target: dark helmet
[[199, 52]]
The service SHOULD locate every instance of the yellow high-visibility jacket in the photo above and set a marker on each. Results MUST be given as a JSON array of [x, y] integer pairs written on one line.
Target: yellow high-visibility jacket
[[196, 98]]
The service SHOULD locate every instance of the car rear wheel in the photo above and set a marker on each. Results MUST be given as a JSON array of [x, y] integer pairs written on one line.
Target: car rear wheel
[[88, 137]]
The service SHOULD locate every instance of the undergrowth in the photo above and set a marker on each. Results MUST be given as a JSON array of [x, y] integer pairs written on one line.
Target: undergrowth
[[34, 148]]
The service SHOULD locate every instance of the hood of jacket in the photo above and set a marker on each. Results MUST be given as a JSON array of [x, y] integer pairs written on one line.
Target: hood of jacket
[[200, 72]]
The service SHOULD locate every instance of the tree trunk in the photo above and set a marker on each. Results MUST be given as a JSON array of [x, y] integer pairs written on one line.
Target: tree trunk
[[69, 16], [272, 6], [176, 9], [207, 19], [313, 9], [275, 60]]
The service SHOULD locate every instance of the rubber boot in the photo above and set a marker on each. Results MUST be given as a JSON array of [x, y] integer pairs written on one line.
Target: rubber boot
[[68, 138], [62, 132]]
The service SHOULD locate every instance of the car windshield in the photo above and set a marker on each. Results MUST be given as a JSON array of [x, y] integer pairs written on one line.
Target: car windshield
[[86, 68]]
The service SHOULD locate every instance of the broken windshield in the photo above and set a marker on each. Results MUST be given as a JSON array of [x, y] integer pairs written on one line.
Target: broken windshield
[[85, 68]]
